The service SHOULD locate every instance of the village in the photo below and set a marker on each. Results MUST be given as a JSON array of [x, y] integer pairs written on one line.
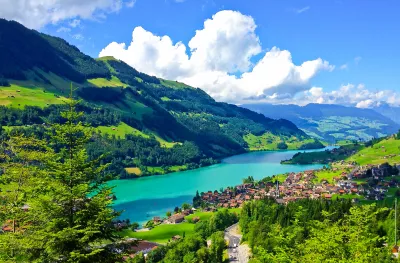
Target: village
[[355, 182]]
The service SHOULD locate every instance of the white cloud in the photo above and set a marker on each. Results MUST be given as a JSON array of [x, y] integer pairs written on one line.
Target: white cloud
[[79, 37], [219, 60], [64, 29], [344, 66], [302, 10], [357, 60], [35, 14], [75, 23]]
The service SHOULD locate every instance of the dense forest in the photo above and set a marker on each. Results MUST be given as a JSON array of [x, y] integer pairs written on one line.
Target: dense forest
[[318, 231]]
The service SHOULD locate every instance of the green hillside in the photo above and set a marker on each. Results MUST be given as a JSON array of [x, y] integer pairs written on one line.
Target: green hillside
[[127, 107], [383, 151]]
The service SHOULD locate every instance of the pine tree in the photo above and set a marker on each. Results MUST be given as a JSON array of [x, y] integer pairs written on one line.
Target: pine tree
[[70, 217], [80, 216], [20, 179]]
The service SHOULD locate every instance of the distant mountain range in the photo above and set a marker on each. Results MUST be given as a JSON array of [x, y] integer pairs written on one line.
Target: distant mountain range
[[391, 112], [335, 122]]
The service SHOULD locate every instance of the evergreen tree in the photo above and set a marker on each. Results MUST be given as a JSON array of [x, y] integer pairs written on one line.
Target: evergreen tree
[[58, 205]]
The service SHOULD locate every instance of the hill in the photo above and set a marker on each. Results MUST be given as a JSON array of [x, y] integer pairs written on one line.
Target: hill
[[149, 125], [331, 122]]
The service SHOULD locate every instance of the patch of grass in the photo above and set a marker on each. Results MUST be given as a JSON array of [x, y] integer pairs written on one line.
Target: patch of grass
[[133, 170], [347, 196], [327, 174], [121, 130], [18, 97], [174, 84], [202, 215], [102, 82], [162, 233], [165, 99]]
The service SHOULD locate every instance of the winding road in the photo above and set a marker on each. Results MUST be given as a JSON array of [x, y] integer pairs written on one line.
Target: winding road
[[236, 251]]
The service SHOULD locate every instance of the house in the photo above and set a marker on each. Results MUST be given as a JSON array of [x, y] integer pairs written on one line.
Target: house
[[144, 247], [176, 219], [175, 238], [156, 219]]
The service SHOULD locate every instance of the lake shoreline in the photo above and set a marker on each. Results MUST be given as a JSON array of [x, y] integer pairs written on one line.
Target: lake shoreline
[[146, 197], [220, 161]]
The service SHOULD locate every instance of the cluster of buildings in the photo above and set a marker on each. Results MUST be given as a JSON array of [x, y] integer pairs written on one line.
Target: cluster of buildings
[[304, 185]]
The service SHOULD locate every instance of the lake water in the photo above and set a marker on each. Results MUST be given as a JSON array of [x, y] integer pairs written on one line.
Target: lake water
[[146, 197]]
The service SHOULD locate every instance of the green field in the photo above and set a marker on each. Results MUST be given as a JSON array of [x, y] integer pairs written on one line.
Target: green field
[[164, 232], [174, 84], [121, 130], [269, 141], [19, 97], [379, 153], [102, 82], [327, 174]]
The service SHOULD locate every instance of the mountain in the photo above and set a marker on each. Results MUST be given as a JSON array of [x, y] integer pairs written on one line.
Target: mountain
[[331, 122], [386, 110], [176, 126]]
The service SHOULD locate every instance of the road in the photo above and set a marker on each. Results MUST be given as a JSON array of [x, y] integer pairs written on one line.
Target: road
[[236, 251]]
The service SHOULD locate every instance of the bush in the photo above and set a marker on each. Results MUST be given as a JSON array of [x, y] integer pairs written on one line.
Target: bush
[[282, 146]]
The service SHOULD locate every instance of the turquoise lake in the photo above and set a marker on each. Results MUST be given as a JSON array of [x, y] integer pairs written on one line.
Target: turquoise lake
[[146, 197]]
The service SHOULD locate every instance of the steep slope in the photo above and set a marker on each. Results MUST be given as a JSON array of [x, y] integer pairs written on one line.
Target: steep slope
[[37, 69], [331, 122]]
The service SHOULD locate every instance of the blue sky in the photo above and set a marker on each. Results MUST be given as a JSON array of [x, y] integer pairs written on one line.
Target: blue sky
[[360, 38]]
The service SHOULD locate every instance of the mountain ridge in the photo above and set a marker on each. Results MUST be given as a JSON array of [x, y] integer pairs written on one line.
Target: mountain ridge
[[114, 93]]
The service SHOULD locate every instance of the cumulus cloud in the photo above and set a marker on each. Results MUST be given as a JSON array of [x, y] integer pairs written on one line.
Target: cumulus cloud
[[35, 14], [219, 59], [344, 66], [351, 95]]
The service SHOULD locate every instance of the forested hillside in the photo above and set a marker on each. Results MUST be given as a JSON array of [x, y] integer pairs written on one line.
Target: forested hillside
[[331, 122], [146, 124]]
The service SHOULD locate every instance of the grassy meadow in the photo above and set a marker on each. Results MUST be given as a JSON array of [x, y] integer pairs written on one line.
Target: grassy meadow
[[163, 233]]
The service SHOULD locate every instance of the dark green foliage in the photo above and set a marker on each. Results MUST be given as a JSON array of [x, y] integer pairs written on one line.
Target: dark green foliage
[[306, 230], [69, 214], [35, 115], [128, 75], [24, 50], [4, 82], [282, 146], [218, 222], [105, 94], [316, 144]]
